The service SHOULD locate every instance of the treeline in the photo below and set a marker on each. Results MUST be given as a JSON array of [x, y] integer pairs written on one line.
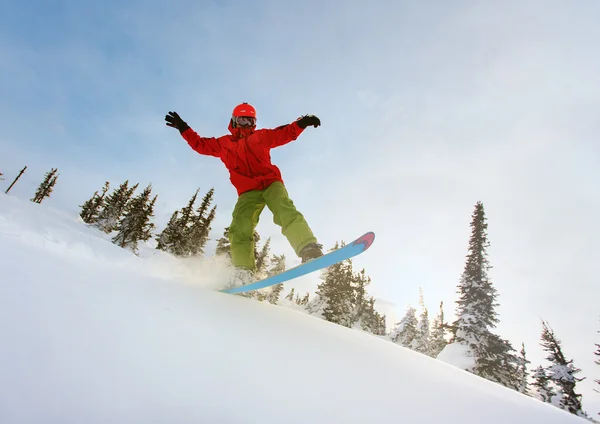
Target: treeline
[[472, 336]]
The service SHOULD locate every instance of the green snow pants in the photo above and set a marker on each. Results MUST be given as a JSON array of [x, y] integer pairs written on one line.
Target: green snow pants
[[245, 219]]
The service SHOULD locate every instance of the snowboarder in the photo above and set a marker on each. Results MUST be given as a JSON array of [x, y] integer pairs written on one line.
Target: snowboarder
[[246, 154]]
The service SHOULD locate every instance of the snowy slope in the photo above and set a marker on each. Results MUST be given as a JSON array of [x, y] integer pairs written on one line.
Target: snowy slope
[[90, 333]]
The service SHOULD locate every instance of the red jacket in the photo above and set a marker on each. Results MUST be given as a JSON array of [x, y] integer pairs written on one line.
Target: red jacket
[[246, 153]]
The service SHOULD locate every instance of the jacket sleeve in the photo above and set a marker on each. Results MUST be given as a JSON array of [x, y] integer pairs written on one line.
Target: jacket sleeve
[[279, 136], [204, 145]]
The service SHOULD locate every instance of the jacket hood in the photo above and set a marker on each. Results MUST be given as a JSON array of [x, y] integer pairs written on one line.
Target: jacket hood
[[239, 132]]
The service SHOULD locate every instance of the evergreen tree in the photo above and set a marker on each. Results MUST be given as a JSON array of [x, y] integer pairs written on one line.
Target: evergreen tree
[[365, 316], [541, 386], [223, 244], [1, 176], [175, 236], [304, 301], [90, 208], [199, 231], [171, 237], [421, 341], [405, 331], [136, 225], [371, 320], [522, 372], [562, 373], [438, 341], [334, 300], [290, 295], [46, 187], [277, 267], [476, 312], [114, 207], [494, 357], [262, 260]]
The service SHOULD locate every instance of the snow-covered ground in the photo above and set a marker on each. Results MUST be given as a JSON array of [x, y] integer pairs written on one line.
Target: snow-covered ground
[[90, 333]]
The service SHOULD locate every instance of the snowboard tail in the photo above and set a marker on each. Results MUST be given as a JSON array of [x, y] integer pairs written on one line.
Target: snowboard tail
[[355, 248]]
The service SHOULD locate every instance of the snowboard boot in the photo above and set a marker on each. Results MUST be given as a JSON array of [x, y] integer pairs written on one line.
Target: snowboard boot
[[311, 251]]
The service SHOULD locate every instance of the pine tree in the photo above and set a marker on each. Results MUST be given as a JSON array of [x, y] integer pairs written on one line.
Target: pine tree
[[522, 372], [136, 225], [114, 207], [365, 315], [262, 260], [334, 300], [541, 385], [494, 357], [46, 187], [370, 319], [304, 301], [170, 238], [175, 236], [405, 331], [1, 176], [200, 228], [90, 208], [421, 341], [223, 244], [438, 341], [290, 295], [561, 372], [277, 267]]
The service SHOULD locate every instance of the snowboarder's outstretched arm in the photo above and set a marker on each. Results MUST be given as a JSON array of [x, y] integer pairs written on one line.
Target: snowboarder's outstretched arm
[[286, 133], [203, 145]]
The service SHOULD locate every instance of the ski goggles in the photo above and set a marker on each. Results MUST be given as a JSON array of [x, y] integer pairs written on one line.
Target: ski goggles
[[244, 121]]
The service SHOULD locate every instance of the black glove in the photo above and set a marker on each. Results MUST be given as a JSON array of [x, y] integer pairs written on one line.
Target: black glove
[[306, 120], [175, 121]]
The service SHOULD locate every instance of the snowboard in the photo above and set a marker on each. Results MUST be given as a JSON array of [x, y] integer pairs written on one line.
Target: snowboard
[[348, 251]]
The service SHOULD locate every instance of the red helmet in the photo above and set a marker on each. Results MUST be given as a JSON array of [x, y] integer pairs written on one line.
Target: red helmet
[[244, 115], [244, 109]]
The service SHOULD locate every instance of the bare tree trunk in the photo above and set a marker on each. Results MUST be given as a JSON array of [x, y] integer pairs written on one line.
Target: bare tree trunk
[[13, 183]]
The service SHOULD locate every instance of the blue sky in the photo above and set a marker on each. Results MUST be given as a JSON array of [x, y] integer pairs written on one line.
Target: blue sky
[[427, 108]]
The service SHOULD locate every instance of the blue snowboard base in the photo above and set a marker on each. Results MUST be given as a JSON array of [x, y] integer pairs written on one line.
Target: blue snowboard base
[[357, 247]]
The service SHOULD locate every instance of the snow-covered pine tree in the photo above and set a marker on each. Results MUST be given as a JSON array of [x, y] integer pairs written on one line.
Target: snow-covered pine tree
[[522, 372], [223, 244], [174, 238], [334, 299], [136, 225], [91, 207], [199, 231], [290, 295], [494, 357], [438, 341], [370, 319], [542, 389], [114, 207], [262, 260], [421, 341], [277, 267], [304, 301], [170, 238], [405, 331], [562, 373], [46, 187], [363, 315]]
